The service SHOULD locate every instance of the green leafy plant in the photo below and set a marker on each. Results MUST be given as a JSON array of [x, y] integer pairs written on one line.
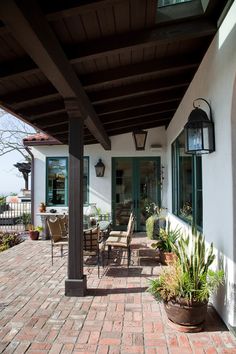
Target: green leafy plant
[[35, 228], [25, 219], [167, 238], [190, 278]]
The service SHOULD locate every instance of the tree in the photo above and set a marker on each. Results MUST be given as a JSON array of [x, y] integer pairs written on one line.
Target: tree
[[12, 132]]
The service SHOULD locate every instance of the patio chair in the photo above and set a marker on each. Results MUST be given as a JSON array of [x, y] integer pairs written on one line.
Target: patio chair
[[92, 246], [121, 239], [56, 235], [127, 232], [63, 220]]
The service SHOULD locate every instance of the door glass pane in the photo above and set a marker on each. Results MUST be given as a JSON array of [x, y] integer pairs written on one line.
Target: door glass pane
[[149, 187], [123, 191]]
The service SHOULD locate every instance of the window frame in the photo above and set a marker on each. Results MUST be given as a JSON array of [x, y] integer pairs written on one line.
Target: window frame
[[48, 158], [197, 213]]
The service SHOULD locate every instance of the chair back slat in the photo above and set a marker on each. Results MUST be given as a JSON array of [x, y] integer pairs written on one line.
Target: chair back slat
[[54, 229], [91, 240]]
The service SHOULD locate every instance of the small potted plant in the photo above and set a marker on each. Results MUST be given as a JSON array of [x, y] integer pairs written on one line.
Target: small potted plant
[[155, 220], [42, 207], [186, 286], [166, 240], [34, 232]]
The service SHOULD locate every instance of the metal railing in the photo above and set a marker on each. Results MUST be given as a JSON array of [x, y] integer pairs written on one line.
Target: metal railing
[[15, 216]]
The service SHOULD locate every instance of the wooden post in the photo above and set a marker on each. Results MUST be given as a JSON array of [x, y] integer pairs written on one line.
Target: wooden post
[[75, 284]]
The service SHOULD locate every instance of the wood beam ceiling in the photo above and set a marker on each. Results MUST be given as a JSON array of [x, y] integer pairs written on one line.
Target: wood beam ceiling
[[34, 34], [117, 44]]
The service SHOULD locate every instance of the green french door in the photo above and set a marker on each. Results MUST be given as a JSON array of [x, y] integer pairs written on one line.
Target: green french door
[[135, 185]]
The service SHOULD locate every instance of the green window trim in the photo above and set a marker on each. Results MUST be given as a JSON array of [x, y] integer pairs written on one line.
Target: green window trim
[[186, 184], [59, 190]]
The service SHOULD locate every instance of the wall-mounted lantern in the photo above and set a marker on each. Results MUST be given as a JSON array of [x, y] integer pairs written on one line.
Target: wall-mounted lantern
[[140, 137], [199, 131], [100, 168]]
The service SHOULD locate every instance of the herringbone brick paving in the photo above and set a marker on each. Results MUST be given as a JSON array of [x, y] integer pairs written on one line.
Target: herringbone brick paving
[[117, 315]]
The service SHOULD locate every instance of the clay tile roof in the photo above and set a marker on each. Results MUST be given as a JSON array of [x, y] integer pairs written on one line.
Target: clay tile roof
[[40, 139]]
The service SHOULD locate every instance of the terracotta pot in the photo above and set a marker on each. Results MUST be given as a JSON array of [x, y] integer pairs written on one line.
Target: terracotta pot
[[167, 258], [34, 235], [186, 314]]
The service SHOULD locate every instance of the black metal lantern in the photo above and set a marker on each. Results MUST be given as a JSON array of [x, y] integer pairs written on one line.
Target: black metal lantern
[[140, 137], [100, 168], [199, 131]]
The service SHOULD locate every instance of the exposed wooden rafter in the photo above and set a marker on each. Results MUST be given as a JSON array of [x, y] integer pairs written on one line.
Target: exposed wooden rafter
[[117, 44], [33, 32]]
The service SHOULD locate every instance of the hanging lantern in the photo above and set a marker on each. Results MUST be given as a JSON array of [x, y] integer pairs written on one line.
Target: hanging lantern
[[140, 137], [100, 168], [199, 131]]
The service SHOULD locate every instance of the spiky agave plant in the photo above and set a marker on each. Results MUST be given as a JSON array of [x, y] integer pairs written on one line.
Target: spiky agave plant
[[195, 260], [190, 278]]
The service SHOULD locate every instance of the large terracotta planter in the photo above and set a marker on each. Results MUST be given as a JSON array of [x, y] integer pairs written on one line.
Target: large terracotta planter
[[186, 313], [167, 258]]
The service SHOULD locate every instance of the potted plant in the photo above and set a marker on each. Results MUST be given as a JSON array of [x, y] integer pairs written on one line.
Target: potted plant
[[186, 286], [167, 238], [42, 207], [34, 232], [155, 220]]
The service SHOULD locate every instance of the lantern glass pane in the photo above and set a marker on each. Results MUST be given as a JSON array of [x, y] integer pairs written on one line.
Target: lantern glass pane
[[140, 140], [195, 139]]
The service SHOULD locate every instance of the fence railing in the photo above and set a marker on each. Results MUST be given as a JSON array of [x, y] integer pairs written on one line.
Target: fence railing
[[15, 216]]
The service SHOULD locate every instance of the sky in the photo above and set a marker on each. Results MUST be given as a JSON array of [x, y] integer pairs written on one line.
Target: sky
[[11, 180]]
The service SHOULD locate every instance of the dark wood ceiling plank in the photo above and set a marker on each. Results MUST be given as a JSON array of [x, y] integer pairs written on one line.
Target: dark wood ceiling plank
[[138, 14], [151, 12], [42, 93], [144, 124], [48, 122], [145, 38], [42, 108], [143, 101], [33, 32], [142, 114], [122, 16], [119, 44], [65, 9], [106, 20], [166, 65], [21, 98], [142, 88]]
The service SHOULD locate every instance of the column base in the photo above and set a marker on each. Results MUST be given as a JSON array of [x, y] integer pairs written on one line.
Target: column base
[[76, 287]]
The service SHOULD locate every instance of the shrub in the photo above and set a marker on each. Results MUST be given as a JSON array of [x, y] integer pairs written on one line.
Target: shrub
[[8, 240]]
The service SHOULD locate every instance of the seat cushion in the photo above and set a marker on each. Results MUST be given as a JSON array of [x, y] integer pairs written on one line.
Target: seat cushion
[[117, 241], [118, 233]]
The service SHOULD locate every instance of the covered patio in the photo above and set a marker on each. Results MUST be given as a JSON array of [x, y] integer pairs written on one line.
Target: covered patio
[[117, 315]]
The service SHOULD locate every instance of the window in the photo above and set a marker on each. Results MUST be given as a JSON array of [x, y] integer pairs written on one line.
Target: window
[[57, 181], [186, 184], [162, 3]]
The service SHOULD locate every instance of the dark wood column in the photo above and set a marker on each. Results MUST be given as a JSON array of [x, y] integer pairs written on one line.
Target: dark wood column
[[75, 284]]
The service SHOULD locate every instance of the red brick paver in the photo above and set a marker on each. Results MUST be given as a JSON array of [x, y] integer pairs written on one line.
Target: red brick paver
[[117, 315]]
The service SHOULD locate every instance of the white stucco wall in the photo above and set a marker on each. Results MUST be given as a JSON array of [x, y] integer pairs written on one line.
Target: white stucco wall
[[99, 188], [214, 81]]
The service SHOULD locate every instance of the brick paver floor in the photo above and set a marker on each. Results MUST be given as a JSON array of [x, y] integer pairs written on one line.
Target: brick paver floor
[[117, 315]]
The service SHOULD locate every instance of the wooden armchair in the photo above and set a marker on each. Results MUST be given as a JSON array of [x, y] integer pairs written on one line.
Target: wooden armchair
[[92, 246], [121, 239], [56, 235]]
